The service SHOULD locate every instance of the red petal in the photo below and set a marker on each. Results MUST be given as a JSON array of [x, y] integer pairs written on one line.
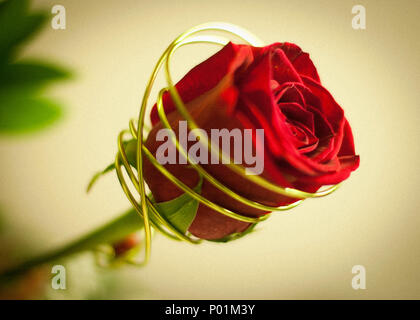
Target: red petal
[[296, 112], [290, 92], [283, 69], [300, 60], [347, 146], [206, 75], [328, 107]]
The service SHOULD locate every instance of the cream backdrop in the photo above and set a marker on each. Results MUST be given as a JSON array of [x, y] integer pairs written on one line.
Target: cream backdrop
[[372, 220]]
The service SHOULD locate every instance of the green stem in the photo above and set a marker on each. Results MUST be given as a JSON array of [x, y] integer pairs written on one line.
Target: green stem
[[113, 231]]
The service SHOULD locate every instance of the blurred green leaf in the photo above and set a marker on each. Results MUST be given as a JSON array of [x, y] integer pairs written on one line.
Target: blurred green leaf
[[16, 26], [23, 114], [30, 74], [21, 108]]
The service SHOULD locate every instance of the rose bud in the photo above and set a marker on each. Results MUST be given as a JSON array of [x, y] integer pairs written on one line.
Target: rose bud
[[123, 246], [307, 143]]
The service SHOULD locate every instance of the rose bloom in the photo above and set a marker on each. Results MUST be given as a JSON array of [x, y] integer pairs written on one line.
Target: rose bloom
[[308, 142]]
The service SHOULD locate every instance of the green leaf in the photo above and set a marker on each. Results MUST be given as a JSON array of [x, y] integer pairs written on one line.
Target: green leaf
[[131, 152], [98, 175], [181, 211], [130, 148], [19, 114], [29, 74], [16, 25], [20, 110]]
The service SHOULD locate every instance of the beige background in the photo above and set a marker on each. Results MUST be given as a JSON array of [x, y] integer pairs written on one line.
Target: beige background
[[373, 220]]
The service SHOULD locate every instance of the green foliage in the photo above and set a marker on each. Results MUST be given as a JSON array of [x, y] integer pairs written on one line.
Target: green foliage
[[181, 211], [99, 174], [22, 108], [29, 74], [16, 26], [22, 114], [130, 148]]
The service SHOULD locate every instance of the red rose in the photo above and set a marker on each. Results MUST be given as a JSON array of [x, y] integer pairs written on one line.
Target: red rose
[[308, 142]]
